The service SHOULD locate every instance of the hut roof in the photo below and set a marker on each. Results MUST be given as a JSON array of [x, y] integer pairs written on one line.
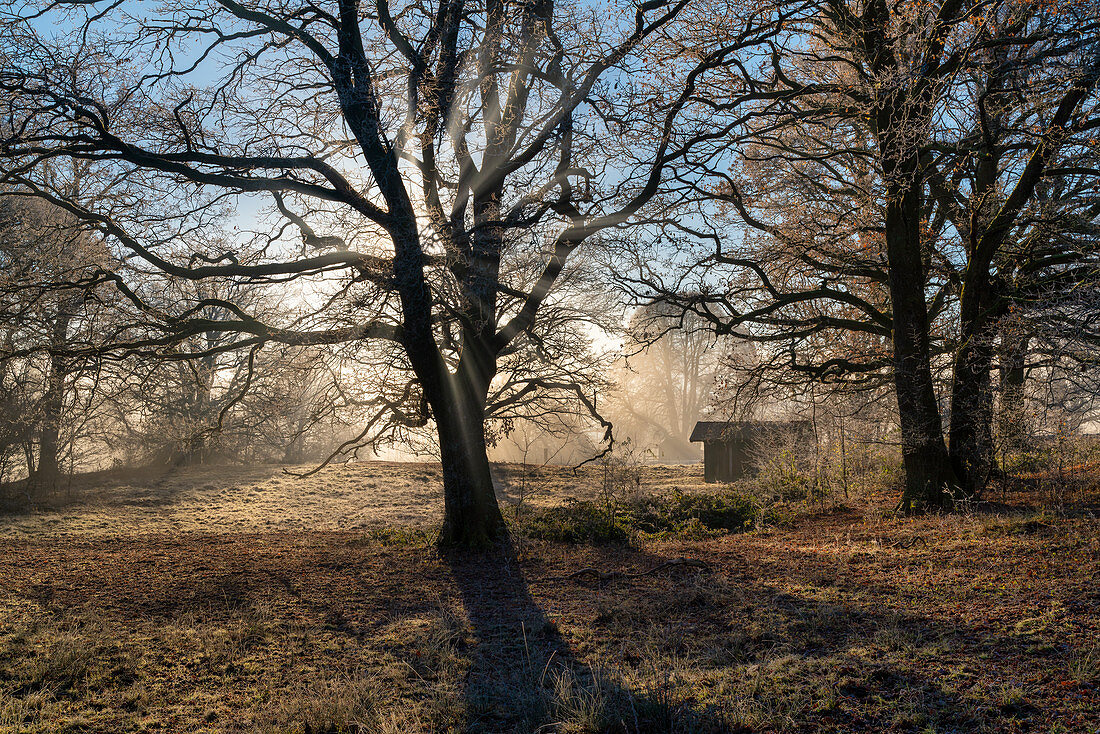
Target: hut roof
[[732, 430]]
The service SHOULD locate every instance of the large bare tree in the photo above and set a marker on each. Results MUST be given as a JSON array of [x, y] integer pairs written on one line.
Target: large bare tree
[[888, 189], [419, 158], [812, 242]]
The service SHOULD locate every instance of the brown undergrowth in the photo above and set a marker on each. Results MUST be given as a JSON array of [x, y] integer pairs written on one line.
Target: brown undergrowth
[[835, 620]]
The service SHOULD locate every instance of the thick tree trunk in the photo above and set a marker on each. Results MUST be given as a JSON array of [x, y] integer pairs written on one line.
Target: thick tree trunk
[[929, 479], [471, 514], [928, 474], [905, 107], [971, 432]]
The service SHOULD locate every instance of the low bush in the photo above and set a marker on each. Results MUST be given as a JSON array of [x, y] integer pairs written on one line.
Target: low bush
[[577, 521], [675, 514]]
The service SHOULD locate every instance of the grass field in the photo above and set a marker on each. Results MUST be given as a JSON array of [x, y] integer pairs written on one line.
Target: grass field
[[241, 599], [241, 498]]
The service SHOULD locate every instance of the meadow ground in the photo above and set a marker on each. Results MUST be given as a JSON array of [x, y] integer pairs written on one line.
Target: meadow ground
[[240, 599]]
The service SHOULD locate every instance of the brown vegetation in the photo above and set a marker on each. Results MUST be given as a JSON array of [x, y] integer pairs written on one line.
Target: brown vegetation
[[830, 618]]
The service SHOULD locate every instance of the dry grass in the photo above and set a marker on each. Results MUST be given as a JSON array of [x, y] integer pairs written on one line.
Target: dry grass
[[835, 620], [235, 498]]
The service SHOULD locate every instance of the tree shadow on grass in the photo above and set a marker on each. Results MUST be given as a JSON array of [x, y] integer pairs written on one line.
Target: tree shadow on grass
[[524, 675], [775, 649], [807, 669]]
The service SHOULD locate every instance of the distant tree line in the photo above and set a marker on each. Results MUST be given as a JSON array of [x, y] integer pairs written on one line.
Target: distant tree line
[[68, 404]]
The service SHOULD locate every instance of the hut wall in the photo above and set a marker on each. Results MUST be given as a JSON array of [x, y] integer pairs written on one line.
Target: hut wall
[[725, 461]]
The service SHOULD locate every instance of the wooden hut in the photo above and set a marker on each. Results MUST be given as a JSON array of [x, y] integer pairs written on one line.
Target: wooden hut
[[729, 446]]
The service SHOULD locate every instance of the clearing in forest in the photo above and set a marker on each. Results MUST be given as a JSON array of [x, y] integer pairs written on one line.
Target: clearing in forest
[[234, 599]]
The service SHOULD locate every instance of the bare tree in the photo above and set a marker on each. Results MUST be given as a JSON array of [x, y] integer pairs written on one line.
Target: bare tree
[[415, 150], [833, 231], [43, 318], [1017, 196], [667, 379]]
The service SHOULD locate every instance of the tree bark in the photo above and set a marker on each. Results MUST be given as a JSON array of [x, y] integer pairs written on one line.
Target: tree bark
[[971, 431], [47, 475], [928, 473], [471, 514]]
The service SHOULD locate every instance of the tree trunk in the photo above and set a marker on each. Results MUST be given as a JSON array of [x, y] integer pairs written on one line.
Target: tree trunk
[[903, 106], [928, 474], [1012, 416], [971, 431], [471, 514], [47, 475]]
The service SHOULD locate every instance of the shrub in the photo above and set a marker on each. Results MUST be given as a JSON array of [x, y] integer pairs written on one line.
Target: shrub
[[692, 516], [729, 511], [786, 472], [577, 521]]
